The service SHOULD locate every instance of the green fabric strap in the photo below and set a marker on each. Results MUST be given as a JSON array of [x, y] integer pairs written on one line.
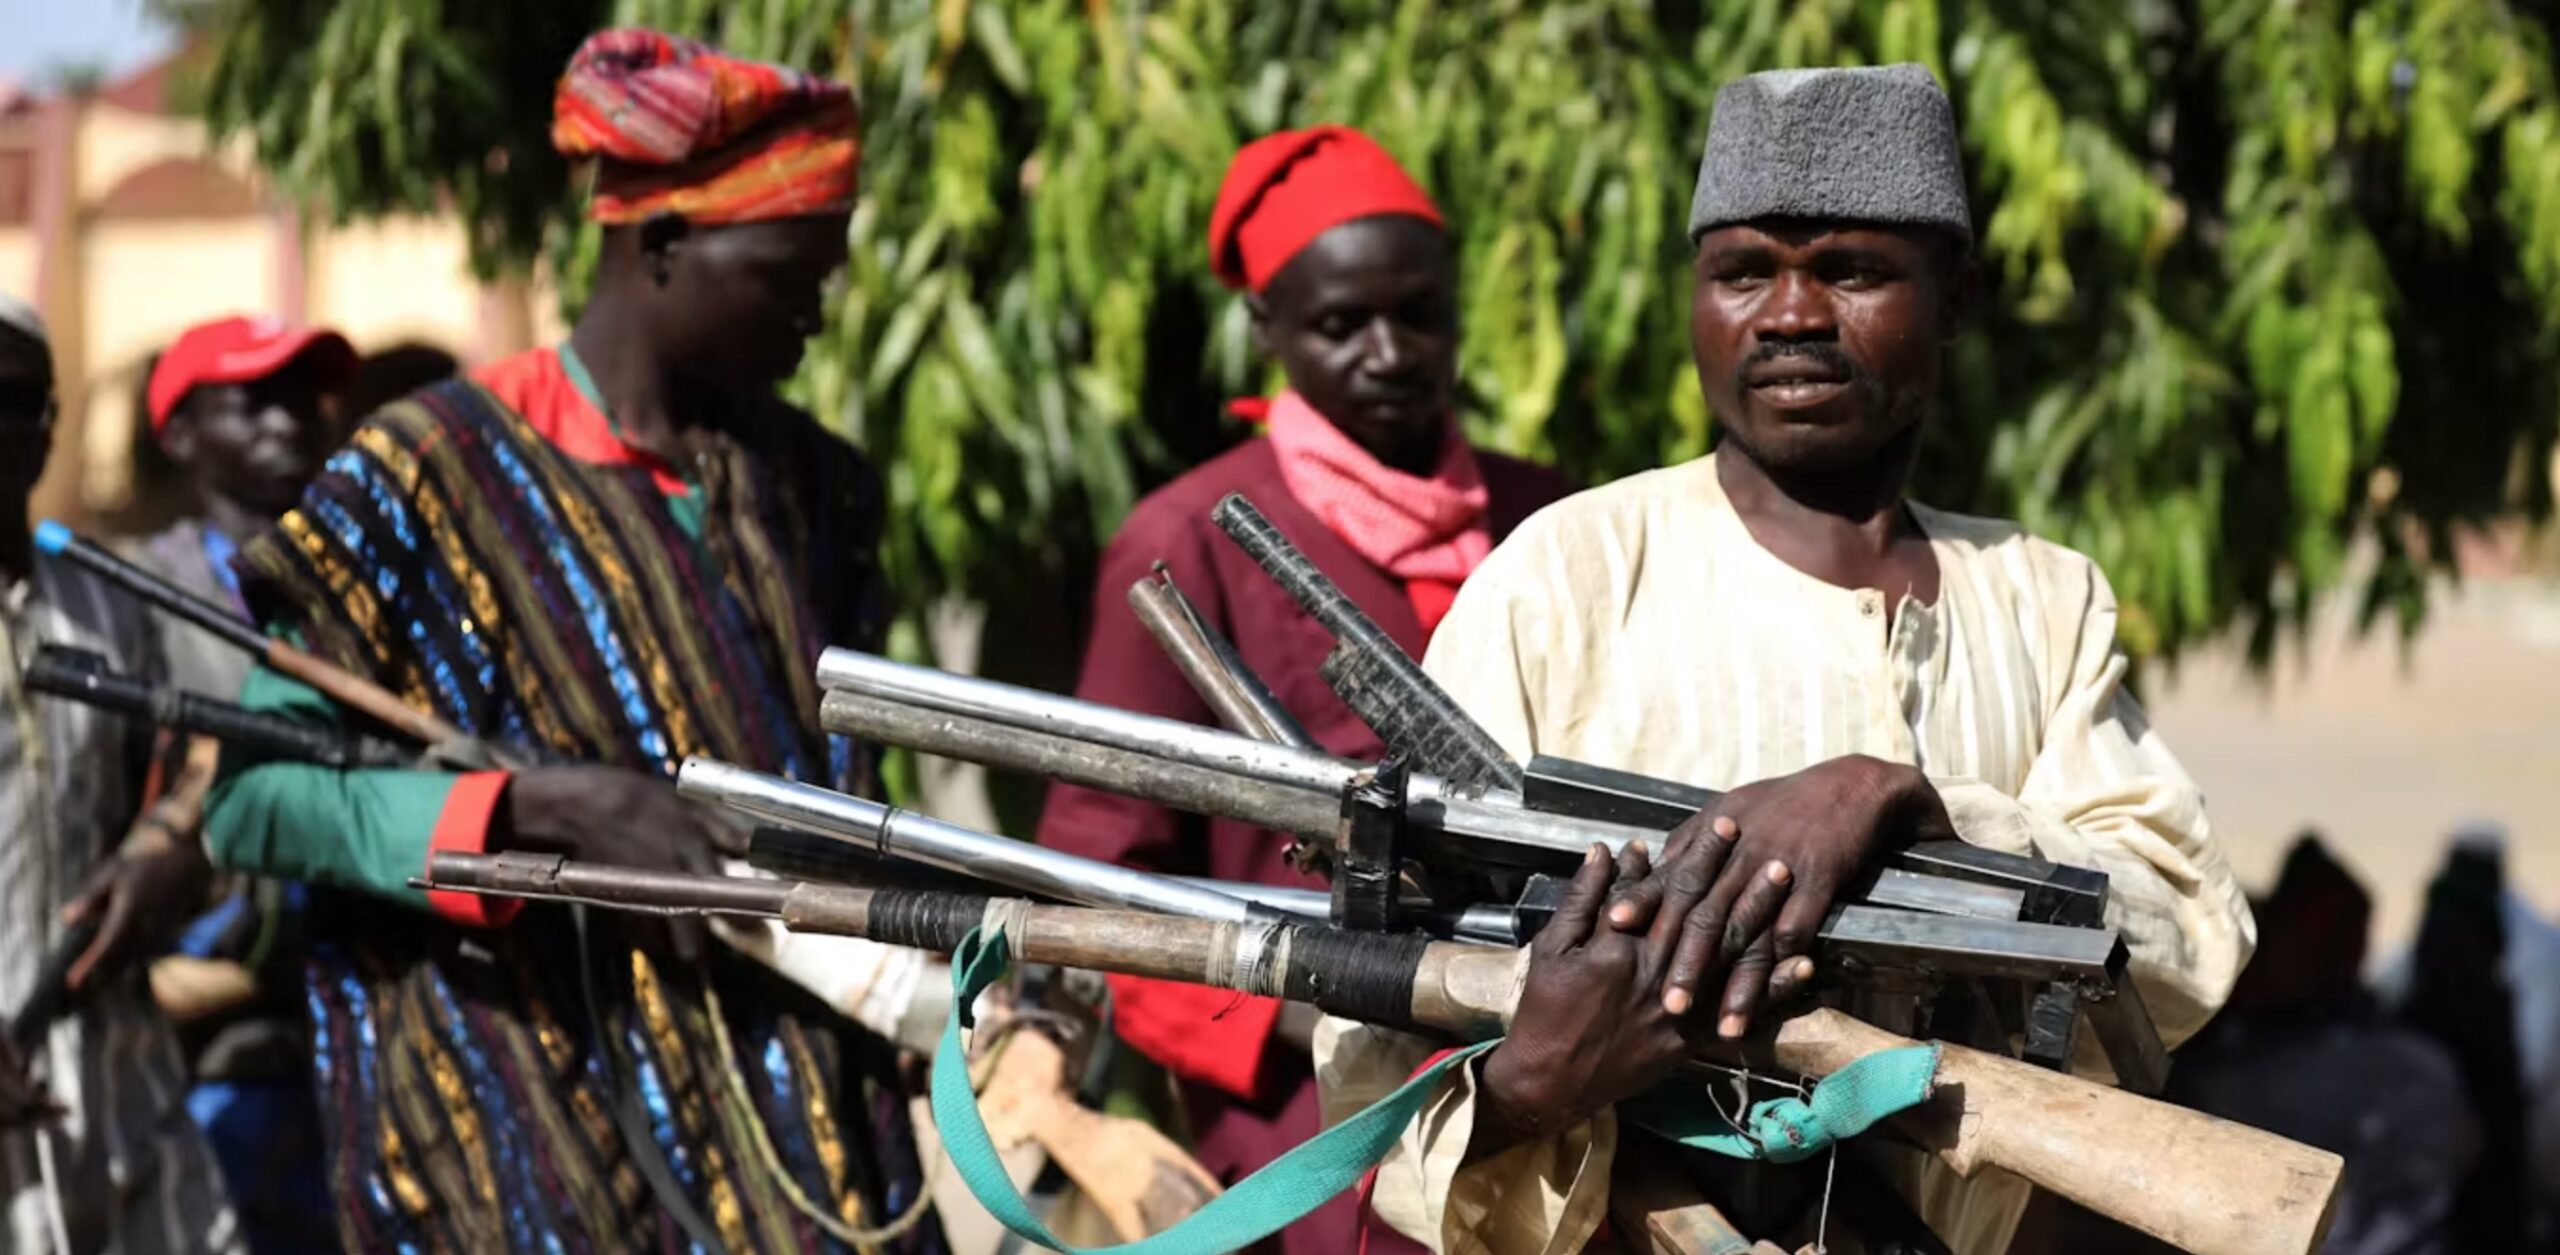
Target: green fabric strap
[[1780, 1130], [1783, 1130], [1270, 1200]]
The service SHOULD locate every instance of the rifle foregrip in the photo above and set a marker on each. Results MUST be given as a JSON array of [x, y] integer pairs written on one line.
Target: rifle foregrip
[[1375, 677]]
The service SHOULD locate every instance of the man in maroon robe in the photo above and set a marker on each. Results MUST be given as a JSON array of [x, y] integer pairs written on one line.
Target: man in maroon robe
[[1353, 289]]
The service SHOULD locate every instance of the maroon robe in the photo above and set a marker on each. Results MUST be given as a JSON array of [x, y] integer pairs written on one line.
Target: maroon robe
[[1248, 1104]]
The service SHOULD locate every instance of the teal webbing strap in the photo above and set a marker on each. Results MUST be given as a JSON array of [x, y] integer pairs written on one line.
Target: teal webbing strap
[[1783, 1130], [1780, 1130], [1270, 1200]]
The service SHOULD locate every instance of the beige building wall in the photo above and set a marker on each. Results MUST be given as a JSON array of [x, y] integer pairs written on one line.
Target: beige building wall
[[398, 280], [18, 255], [141, 229], [149, 281]]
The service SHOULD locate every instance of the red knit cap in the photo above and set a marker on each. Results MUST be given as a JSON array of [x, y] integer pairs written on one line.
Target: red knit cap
[[1284, 190]]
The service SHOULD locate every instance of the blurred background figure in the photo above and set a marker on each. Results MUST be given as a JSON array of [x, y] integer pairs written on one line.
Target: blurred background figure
[[2479, 982], [246, 409], [2304, 1049], [96, 1151]]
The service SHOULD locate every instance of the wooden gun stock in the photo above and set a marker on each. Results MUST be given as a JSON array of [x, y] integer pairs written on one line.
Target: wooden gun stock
[[2195, 1181]]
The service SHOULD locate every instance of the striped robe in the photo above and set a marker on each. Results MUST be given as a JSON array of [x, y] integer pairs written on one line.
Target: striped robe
[[1639, 626], [456, 555], [124, 1170]]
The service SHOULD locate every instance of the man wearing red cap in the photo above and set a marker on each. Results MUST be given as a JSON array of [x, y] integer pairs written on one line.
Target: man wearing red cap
[[1353, 289], [242, 406], [623, 550]]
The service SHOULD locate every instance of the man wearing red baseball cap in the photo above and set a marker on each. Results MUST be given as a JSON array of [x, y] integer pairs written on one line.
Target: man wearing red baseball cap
[[242, 405], [1352, 283]]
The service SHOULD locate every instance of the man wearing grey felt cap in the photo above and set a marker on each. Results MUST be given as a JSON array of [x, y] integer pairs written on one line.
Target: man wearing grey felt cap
[[1854, 669]]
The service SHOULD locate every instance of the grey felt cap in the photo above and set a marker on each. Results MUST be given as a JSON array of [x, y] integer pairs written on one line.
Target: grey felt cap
[[1862, 145]]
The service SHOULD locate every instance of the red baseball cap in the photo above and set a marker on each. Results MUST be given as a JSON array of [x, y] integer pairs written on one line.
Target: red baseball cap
[[239, 350]]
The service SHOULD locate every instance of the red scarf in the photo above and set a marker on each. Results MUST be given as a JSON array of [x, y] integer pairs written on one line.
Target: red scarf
[[1428, 531]]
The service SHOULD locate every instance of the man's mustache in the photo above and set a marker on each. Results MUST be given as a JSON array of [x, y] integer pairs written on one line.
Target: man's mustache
[[1830, 357]]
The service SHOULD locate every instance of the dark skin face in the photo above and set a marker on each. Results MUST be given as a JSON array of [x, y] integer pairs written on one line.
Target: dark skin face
[[730, 308], [26, 420], [1818, 344], [1364, 321], [255, 444]]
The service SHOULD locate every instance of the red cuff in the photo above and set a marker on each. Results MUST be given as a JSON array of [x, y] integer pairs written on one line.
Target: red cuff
[[463, 825], [1213, 1036]]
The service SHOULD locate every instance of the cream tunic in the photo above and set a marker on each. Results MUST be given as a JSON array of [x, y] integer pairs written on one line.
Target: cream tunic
[[1640, 626]]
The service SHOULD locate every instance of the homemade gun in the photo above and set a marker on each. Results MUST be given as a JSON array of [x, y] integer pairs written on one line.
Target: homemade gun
[[2203, 1184], [1944, 915]]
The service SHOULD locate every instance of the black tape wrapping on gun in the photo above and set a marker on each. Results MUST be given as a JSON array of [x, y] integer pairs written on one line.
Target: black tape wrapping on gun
[[1419, 721]]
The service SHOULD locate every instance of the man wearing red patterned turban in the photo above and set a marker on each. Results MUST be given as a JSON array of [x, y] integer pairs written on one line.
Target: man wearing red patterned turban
[[1351, 281], [619, 551]]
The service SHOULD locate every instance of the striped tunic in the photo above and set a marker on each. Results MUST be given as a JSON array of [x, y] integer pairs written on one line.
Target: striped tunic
[[489, 550], [1640, 626], [124, 1170]]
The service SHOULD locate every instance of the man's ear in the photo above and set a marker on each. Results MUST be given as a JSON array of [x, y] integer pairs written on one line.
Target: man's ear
[[1961, 293], [1260, 331], [178, 438], [662, 236]]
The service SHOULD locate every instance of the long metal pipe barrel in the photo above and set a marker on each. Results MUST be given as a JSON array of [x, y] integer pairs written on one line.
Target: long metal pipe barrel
[[1034, 711], [1236, 695], [1491, 924], [1495, 817], [905, 834], [968, 738]]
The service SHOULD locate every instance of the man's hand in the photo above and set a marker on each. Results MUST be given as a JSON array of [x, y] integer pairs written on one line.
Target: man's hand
[[22, 1101], [139, 898], [1747, 884], [1590, 1028], [610, 815]]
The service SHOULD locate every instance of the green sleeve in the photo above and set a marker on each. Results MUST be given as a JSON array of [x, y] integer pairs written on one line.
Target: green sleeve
[[367, 829]]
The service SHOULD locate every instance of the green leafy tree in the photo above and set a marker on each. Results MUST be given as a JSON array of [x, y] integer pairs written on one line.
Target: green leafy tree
[[2265, 278]]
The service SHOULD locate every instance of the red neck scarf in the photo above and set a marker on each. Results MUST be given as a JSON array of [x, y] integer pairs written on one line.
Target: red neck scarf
[[1428, 531]]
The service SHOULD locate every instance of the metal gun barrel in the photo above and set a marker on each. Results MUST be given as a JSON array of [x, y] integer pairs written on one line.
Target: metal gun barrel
[[970, 739], [1183, 765], [1491, 924], [905, 834], [1216, 672], [1031, 710]]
